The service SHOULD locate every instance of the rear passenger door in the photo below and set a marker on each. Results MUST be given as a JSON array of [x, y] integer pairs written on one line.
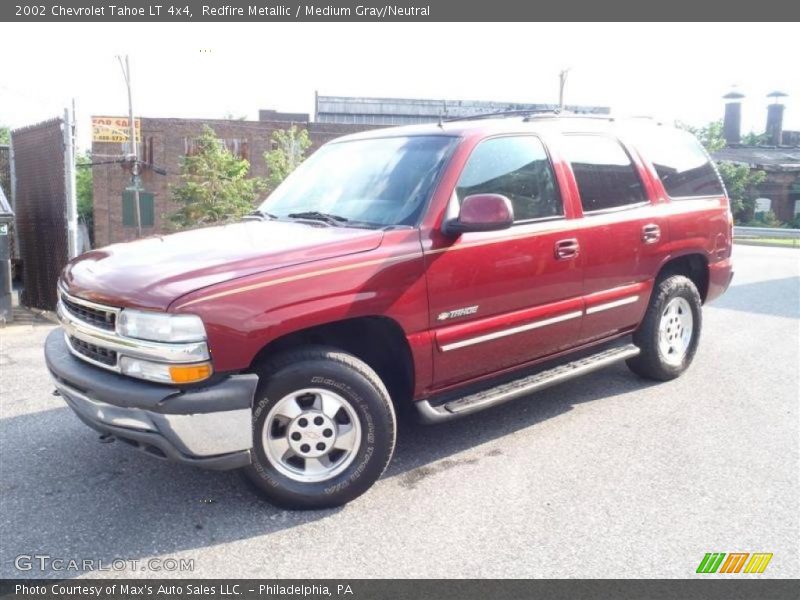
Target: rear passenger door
[[621, 234], [499, 299]]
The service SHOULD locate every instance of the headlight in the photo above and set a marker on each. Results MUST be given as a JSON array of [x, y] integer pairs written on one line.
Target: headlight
[[165, 373], [160, 327]]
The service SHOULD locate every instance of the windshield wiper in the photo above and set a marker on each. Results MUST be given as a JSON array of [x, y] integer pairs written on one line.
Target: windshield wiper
[[315, 215], [260, 215]]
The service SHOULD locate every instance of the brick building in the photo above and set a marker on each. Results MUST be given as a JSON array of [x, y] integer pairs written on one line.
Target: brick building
[[164, 142]]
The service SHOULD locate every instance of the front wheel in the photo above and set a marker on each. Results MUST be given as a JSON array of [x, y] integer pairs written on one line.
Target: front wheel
[[323, 429], [670, 330]]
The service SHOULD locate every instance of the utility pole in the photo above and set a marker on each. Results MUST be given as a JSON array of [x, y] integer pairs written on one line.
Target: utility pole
[[69, 185], [134, 154], [562, 81]]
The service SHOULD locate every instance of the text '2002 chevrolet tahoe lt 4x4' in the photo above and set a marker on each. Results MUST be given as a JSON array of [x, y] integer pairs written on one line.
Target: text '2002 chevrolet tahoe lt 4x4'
[[449, 267]]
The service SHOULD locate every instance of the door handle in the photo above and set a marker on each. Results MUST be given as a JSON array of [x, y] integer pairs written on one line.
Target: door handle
[[651, 233], [567, 249]]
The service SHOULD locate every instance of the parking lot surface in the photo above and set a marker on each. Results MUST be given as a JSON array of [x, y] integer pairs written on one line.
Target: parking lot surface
[[605, 476]]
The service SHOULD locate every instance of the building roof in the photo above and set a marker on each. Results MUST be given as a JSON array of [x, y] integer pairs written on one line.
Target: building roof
[[769, 158], [399, 111]]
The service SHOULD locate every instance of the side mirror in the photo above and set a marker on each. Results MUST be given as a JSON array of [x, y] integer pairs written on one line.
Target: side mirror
[[481, 212]]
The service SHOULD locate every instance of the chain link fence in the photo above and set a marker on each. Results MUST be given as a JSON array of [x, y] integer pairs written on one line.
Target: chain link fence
[[40, 201]]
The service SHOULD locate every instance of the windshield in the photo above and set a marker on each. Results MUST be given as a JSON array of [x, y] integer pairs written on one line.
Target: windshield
[[384, 181]]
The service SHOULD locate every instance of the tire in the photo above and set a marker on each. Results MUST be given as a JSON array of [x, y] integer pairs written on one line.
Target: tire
[[667, 352], [309, 452]]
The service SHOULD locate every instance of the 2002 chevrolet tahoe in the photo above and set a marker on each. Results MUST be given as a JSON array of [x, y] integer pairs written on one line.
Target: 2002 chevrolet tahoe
[[449, 267]]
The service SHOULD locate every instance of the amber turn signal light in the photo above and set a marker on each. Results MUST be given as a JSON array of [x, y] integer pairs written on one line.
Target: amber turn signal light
[[190, 373]]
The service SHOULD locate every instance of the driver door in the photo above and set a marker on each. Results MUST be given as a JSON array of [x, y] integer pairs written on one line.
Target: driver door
[[503, 298]]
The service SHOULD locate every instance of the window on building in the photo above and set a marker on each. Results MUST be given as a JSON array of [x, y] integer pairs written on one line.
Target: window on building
[[681, 163], [146, 209], [604, 172], [518, 168]]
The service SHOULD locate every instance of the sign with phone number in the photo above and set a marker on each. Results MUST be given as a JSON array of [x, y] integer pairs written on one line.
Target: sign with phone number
[[114, 129]]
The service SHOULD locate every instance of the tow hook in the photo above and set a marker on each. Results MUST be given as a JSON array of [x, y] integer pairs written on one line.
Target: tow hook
[[56, 392], [106, 438]]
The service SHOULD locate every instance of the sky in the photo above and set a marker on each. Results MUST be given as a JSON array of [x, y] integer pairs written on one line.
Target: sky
[[203, 70]]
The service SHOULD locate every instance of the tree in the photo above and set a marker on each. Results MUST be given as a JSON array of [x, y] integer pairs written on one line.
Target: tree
[[215, 187], [84, 190], [5, 135], [288, 151], [740, 181], [754, 139]]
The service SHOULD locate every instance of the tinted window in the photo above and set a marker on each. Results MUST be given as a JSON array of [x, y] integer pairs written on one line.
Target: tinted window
[[605, 174], [518, 168], [681, 163]]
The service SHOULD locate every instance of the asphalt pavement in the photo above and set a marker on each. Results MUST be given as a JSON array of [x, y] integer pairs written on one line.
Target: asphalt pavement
[[605, 476]]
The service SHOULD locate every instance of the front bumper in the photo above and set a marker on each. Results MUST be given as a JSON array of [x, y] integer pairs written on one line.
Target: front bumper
[[207, 426]]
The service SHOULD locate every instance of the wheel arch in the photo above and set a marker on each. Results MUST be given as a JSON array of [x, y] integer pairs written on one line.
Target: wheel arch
[[693, 265], [379, 341]]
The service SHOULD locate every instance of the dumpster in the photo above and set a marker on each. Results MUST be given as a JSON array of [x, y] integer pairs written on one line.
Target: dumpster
[[6, 219]]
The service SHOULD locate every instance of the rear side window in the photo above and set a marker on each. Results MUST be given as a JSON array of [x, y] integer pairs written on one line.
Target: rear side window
[[604, 172], [681, 163], [518, 168]]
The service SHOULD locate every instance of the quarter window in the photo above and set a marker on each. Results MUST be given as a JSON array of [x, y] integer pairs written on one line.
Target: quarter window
[[518, 168], [681, 163], [604, 172]]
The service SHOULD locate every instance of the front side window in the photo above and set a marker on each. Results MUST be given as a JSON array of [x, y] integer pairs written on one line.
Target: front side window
[[604, 172], [380, 181], [681, 163], [518, 168]]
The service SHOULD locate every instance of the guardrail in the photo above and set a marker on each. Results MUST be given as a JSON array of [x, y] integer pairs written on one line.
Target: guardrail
[[744, 233]]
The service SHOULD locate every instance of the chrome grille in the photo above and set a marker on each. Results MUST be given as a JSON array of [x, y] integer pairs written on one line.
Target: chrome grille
[[93, 352], [91, 314]]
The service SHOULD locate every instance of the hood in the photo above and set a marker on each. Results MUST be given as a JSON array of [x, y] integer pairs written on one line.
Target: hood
[[153, 272]]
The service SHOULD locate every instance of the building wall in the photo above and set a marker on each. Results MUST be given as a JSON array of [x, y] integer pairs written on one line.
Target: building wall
[[408, 111], [779, 187], [163, 145]]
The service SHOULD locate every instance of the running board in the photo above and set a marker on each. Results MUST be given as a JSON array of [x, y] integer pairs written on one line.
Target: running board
[[520, 387]]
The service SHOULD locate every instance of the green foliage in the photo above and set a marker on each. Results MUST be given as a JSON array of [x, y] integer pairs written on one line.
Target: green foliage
[[710, 136], [754, 139], [767, 219], [289, 150], [5, 135], [84, 190], [741, 181], [215, 187]]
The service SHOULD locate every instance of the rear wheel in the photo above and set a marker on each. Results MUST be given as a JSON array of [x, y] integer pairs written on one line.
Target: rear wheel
[[323, 429], [670, 330]]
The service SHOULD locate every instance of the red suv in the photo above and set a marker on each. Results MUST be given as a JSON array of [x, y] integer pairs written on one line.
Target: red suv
[[448, 267]]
